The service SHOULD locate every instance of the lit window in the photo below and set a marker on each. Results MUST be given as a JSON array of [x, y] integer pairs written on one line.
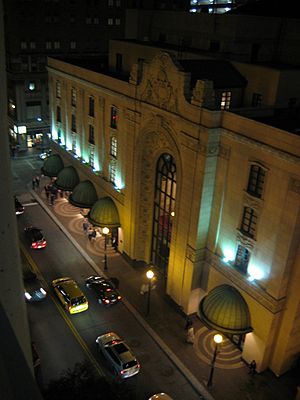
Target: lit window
[[48, 45], [31, 86], [23, 45], [32, 45], [91, 134], [118, 21], [225, 100], [74, 144], [110, 21], [96, 20], [114, 117], [73, 97], [72, 44], [113, 146], [57, 45], [256, 180], [92, 157], [91, 106], [58, 89], [249, 221], [112, 171], [242, 259], [73, 123]]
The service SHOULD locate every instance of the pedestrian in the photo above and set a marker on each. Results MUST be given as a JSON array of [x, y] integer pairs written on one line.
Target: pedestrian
[[93, 235], [33, 183], [188, 323], [90, 233], [47, 191], [190, 336], [252, 368], [52, 199], [37, 181], [85, 226]]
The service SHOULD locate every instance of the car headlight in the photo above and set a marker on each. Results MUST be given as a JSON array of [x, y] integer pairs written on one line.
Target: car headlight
[[43, 291], [27, 295]]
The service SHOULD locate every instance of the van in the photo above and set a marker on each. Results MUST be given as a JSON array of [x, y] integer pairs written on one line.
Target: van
[[70, 295]]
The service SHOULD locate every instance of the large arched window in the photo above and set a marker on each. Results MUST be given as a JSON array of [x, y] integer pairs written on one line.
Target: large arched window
[[164, 211]]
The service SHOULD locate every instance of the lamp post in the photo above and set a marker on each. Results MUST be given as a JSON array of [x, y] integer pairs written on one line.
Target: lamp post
[[150, 275], [218, 339], [105, 231]]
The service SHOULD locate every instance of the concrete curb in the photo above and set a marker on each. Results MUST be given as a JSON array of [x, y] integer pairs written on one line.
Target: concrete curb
[[203, 392]]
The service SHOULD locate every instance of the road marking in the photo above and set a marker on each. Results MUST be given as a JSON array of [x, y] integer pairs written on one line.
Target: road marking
[[29, 163], [62, 313], [30, 204]]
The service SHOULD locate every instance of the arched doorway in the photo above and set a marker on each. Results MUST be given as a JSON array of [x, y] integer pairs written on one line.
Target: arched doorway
[[164, 211]]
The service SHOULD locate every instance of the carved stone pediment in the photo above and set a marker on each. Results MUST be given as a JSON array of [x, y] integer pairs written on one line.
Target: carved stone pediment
[[162, 83]]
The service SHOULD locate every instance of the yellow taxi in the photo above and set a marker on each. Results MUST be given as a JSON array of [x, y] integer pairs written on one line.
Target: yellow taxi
[[70, 295]]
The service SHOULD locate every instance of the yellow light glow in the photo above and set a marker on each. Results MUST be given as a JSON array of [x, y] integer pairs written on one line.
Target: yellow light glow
[[218, 338], [228, 255], [150, 274], [105, 230], [172, 213]]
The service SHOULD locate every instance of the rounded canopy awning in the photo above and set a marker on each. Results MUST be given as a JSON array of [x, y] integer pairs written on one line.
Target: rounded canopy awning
[[53, 164], [67, 179], [104, 214], [84, 195], [225, 310]]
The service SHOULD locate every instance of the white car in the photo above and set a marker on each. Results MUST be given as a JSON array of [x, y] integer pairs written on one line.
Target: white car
[[122, 361], [45, 154]]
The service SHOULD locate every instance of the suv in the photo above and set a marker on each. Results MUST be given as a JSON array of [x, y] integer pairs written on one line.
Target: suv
[[35, 237], [70, 295], [121, 359]]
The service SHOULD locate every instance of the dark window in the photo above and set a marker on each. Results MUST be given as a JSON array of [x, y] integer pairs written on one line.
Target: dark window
[[256, 180], [254, 51], [112, 355], [292, 102], [73, 123], [114, 117], [162, 37], [58, 114], [91, 134], [119, 62], [242, 258], [214, 45], [91, 106], [249, 220], [256, 100]]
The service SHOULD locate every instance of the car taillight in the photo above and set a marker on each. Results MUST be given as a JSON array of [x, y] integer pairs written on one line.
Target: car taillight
[[122, 372], [106, 301], [44, 243], [34, 245]]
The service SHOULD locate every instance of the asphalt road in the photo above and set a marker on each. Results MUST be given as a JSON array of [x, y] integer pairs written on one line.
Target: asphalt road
[[61, 339]]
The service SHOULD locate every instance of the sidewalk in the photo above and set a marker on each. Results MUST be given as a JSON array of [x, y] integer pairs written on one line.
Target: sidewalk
[[166, 322]]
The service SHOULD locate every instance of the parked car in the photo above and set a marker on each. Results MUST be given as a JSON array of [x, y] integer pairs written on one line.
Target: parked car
[[35, 237], [160, 396], [119, 356], [70, 295], [104, 289], [19, 208], [33, 288], [45, 154]]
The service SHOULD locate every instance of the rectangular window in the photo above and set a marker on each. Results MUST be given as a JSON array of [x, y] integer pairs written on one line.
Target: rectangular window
[[73, 45], [48, 45], [242, 259], [114, 117], [73, 123], [117, 21], [249, 221], [96, 20], [118, 3], [256, 180], [73, 97], [256, 99], [91, 134], [112, 172], [32, 45], [58, 114], [74, 144], [110, 21], [119, 61], [23, 45], [91, 106], [92, 157], [58, 89], [88, 20], [225, 100], [113, 146], [33, 109], [57, 44], [110, 3]]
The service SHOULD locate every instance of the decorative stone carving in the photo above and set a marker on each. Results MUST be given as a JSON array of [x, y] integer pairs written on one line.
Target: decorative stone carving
[[204, 94], [194, 255], [247, 242], [253, 202]]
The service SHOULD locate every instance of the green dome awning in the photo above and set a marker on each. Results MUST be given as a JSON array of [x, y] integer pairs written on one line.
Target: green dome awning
[[84, 195], [104, 214], [67, 179], [53, 164], [225, 310]]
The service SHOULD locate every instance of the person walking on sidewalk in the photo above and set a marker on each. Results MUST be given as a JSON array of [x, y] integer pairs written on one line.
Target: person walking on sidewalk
[[90, 233], [33, 183], [188, 323], [85, 226], [190, 336], [37, 181], [47, 192], [252, 368]]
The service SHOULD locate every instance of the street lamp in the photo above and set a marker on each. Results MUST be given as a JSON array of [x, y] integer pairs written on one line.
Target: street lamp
[[218, 339], [149, 275], [105, 231]]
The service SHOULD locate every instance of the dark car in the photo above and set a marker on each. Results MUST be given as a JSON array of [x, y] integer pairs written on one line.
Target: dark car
[[104, 289], [33, 288], [19, 208], [35, 237]]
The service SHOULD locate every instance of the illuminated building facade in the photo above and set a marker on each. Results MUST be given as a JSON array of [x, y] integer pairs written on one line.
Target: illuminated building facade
[[206, 186]]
